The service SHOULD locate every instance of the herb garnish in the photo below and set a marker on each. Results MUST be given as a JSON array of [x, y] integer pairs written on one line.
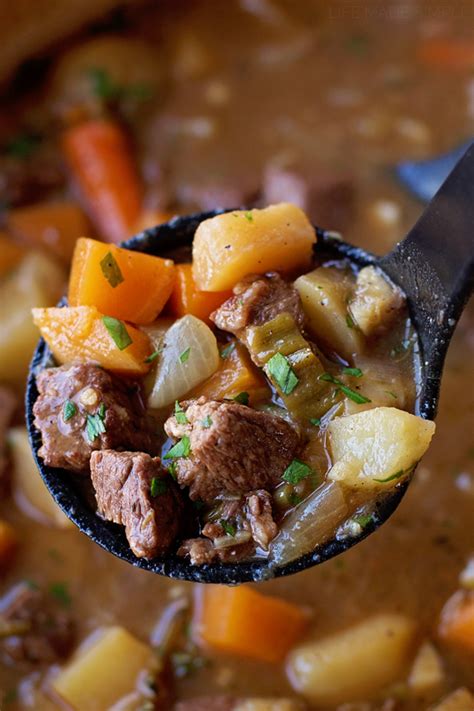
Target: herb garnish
[[22, 146], [355, 372], [248, 216], [179, 414], [296, 471], [242, 398], [351, 394], [158, 486], [106, 89], [153, 356], [392, 394], [228, 527], [280, 370], [184, 356], [111, 270], [117, 331], [180, 449], [363, 520], [225, 352], [316, 421], [206, 422], [61, 593], [172, 470], [95, 424], [69, 410], [349, 321], [392, 477]]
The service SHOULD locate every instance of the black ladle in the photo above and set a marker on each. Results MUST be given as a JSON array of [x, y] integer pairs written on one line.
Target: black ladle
[[434, 266]]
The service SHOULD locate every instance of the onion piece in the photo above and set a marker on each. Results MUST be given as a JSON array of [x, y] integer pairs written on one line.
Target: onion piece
[[309, 524], [229, 541]]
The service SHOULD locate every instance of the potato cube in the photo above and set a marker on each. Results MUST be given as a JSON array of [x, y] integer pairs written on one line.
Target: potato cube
[[376, 301], [459, 700], [103, 670], [355, 663], [427, 673], [228, 247], [377, 448], [324, 294]]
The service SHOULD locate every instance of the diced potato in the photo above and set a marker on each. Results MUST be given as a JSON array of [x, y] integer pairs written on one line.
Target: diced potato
[[228, 247], [269, 705], [8, 543], [355, 663], [189, 356], [377, 448], [427, 673], [324, 294], [459, 700], [29, 490], [103, 670], [376, 302], [38, 281]]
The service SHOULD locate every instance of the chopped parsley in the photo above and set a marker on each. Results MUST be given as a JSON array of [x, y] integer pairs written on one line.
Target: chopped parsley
[[180, 449], [111, 270], [158, 486], [153, 356], [61, 593], [117, 331], [351, 394], [363, 520], [172, 470], [248, 216], [69, 410], [102, 85], [225, 352], [184, 356], [296, 471], [392, 477], [206, 422], [229, 528], [102, 410], [22, 146], [181, 418], [392, 394], [349, 321], [242, 398], [281, 372], [316, 421], [355, 372], [95, 425]]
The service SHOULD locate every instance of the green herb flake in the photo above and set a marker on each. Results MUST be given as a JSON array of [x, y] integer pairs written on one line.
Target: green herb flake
[[180, 449], [348, 392], [172, 470], [158, 486], [281, 372], [296, 471], [184, 356], [316, 421], [102, 85], [242, 398], [392, 394], [225, 352], [248, 216], [95, 424], [117, 332], [69, 410], [392, 477], [229, 528], [355, 372], [22, 146], [206, 422], [363, 520], [350, 321], [10, 696], [60, 592], [111, 270], [153, 356], [181, 418]]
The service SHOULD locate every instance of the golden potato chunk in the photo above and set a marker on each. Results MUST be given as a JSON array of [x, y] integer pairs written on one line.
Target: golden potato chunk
[[427, 673], [459, 700], [376, 301]]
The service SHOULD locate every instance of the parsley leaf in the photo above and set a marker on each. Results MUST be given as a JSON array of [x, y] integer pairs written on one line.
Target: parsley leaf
[[117, 331], [225, 352], [355, 372], [153, 356], [61, 593], [180, 449], [281, 372], [206, 422], [392, 477], [111, 270], [242, 398], [184, 356], [69, 410], [349, 321], [158, 486], [316, 421], [296, 471], [363, 520], [172, 470], [228, 527], [181, 418], [351, 394], [95, 424], [102, 85], [22, 146], [248, 216]]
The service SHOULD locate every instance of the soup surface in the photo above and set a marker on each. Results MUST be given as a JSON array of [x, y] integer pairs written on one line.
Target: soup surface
[[243, 103]]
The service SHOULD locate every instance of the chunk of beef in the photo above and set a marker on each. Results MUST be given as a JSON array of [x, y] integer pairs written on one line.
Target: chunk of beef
[[257, 300], [34, 630], [260, 516], [207, 703], [106, 413], [242, 449], [8, 404], [327, 197], [133, 490]]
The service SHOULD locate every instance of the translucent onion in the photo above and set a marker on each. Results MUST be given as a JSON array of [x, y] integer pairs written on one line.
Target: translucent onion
[[189, 356], [311, 523]]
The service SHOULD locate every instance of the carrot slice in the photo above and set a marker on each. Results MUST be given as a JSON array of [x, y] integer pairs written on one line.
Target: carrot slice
[[245, 622], [188, 299], [128, 285], [457, 621], [454, 54], [101, 161], [82, 333], [51, 225], [10, 253]]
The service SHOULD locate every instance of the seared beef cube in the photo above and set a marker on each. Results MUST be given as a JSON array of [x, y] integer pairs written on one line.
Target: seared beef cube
[[233, 448], [257, 300], [8, 404], [82, 408], [328, 197], [133, 490], [33, 628]]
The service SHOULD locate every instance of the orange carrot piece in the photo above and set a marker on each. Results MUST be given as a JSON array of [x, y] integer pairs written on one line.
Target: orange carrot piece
[[101, 161], [10, 253], [242, 621], [454, 54], [54, 226], [128, 285], [457, 622], [8, 543], [188, 299], [80, 334], [236, 374]]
